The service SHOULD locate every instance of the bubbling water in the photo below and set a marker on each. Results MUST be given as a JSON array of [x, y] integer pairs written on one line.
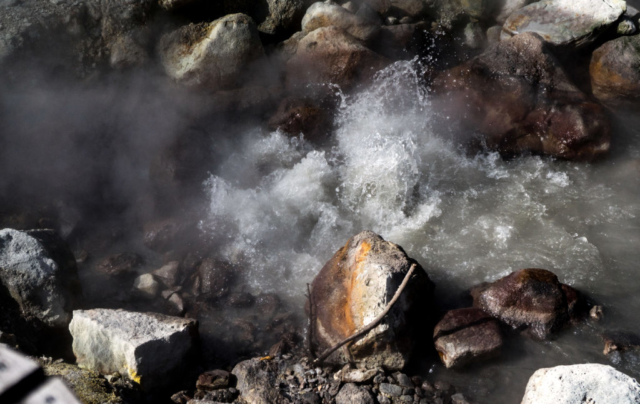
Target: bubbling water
[[285, 207]]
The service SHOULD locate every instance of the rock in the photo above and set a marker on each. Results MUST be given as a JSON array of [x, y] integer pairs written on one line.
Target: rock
[[212, 55], [351, 6], [86, 384], [401, 41], [577, 384], [147, 286], [241, 300], [120, 265], [175, 305], [620, 341], [474, 36], [171, 5], [565, 22], [626, 27], [417, 9], [151, 349], [459, 398], [503, 9], [354, 287], [493, 34], [517, 96], [615, 72], [284, 16], [181, 397], [213, 380], [216, 277], [329, 55], [168, 274], [352, 394], [358, 376], [39, 272], [390, 390], [267, 304], [466, 335], [166, 234], [403, 380], [256, 382], [321, 15], [297, 116], [596, 313], [531, 298]]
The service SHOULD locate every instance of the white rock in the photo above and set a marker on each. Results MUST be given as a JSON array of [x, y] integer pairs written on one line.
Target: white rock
[[579, 384], [149, 348], [40, 273], [147, 286], [321, 15]]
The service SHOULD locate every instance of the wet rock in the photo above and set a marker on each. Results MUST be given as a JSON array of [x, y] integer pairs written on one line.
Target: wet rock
[[147, 286], [531, 298], [256, 382], [352, 394], [168, 274], [503, 9], [358, 375], [615, 72], [493, 34], [284, 16], [620, 341], [626, 27], [39, 272], [86, 384], [175, 305], [517, 96], [565, 22], [213, 380], [151, 349], [181, 397], [321, 15], [353, 288], [466, 335], [120, 265], [401, 41], [329, 55], [297, 116], [216, 278], [596, 313], [211, 55], [390, 390], [588, 383], [403, 380], [241, 300], [267, 304]]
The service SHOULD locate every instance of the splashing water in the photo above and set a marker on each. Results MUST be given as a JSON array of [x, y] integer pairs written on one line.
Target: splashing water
[[285, 207]]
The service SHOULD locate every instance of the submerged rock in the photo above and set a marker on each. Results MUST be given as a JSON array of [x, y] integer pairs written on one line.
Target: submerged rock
[[321, 15], [578, 384], [565, 22], [531, 298], [517, 96], [615, 72], [212, 55], [353, 288], [329, 55], [151, 349], [39, 272], [466, 335]]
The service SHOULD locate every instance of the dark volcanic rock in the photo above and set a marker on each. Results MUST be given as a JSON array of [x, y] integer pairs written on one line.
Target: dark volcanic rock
[[352, 394], [302, 116], [119, 265], [466, 335], [518, 98], [169, 274], [213, 380], [615, 72], [256, 382], [532, 298], [620, 341], [354, 287], [216, 278]]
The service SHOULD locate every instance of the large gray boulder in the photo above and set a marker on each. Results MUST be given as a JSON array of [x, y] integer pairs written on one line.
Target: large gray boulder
[[565, 22], [578, 384], [148, 348], [353, 288], [212, 55], [39, 272], [321, 15]]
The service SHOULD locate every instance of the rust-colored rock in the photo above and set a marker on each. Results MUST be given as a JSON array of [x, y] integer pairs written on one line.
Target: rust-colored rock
[[528, 298], [517, 96], [466, 335], [354, 287]]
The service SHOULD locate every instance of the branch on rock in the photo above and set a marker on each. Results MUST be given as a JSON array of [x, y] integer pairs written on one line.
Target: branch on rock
[[371, 325]]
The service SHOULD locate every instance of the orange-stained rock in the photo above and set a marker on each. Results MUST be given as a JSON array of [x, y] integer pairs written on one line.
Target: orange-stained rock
[[354, 287]]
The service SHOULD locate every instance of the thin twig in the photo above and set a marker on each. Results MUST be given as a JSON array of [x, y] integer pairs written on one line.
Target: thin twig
[[371, 325]]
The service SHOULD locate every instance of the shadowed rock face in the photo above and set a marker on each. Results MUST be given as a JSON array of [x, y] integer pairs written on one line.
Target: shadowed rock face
[[519, 99], [615, 72], [466, 335], [354, 287], [532, 298]]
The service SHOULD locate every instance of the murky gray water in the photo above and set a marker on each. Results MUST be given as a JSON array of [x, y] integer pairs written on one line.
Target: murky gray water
[[285, 208]]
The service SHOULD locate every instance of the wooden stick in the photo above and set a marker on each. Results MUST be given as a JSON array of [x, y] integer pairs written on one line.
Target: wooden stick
[[371, 325]]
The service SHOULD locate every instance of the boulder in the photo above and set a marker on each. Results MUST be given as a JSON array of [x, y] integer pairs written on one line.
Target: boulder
[[350, 393], [517, 97], [615, 72], [321, 15], [284, 16], [256, 382], [402, 41], [467, 335], [329, 55], [216, 278], [213, 380], [213, 55], [169, 274], [120, 265], [296, 116], [565, 22], [39, 272], [147, 286], [353, 288], [577, 384], [150, 349], [165, 234], [530, 298]]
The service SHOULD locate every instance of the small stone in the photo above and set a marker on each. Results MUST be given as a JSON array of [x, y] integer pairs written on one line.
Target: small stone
[[353, 394], [147, 286], [168, 274], [380, 378], [404, 380], [122, 264], [620, 341], [391, 390], [391, 20], [626, 27], [213, 380], [459, 399], [596, 313], [443, 386], [358, 376], [406, 399], [181, 397]]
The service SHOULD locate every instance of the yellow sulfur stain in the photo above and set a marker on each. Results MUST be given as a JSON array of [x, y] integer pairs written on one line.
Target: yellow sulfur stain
[[133, 375]]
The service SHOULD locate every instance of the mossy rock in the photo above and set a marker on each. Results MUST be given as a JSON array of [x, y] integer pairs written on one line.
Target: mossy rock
[[89, 387]]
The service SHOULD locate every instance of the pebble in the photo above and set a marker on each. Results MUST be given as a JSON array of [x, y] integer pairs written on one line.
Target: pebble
[[391, 389]]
